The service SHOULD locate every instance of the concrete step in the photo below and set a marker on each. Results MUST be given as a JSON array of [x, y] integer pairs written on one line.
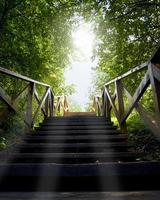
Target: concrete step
[[98, 127], [73, 158], [76, 119], [80, 147], [79, 123], [135, 176], [75, 132], [75, 138]]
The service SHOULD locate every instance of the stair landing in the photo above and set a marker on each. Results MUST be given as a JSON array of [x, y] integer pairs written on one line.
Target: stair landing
[[79, 113]]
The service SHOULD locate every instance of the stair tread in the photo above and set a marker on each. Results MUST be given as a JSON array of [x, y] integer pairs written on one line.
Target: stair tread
[[78, 150], [87, 128], [76, 132], [91, 126], [75, 145], [101, 154], [76, 136], [72, 123], [139, 168]]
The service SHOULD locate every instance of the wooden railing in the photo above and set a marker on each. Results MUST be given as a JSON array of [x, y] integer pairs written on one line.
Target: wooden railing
[[97, 105], [61, 104], [45, 104], [113, 99]]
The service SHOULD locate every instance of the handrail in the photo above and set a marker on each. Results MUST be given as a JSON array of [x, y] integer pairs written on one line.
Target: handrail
[[45, 104], [122, 111], [19, 76], [133, 70]]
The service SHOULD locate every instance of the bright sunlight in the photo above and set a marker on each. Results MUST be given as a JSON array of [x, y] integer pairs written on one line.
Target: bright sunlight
[[80, 72], [84, 39]]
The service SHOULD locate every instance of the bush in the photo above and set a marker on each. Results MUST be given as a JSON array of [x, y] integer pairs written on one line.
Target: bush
[[142, 139], [11, 130]]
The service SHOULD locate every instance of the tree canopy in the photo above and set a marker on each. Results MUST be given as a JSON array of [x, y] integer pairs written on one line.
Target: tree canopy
[[35, 36], [35, 39], [127, 34]]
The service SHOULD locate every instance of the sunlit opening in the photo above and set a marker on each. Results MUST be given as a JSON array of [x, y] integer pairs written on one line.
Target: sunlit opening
[[80, 71], [83, 39]]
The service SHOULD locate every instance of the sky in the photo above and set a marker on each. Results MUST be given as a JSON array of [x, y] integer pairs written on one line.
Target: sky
[[80, 70]]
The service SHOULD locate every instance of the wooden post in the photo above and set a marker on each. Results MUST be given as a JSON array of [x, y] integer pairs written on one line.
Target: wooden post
[[104, 104], [29, 117], [119, 94], [52, 105], [59, 105], [154, 74], [99, 108], [47, 104], [108, 110]]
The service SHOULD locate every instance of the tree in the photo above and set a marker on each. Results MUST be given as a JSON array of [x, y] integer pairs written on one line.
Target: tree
[[35, 39], [128, 32]]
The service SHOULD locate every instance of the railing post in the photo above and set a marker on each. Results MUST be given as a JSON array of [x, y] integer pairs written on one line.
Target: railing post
[[65, 104], [119, 94], [154, 74], [29, 117], [103, 104], [59, 106], [47, 104], [99, 111], [52, 104], [108, 110]]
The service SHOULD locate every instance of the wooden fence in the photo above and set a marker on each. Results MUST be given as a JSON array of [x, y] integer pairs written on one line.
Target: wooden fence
[[106, 103], [61, 104], [45, 104]]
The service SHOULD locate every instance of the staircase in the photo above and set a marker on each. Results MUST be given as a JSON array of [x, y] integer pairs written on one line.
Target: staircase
[[81, 151], [77, 153]]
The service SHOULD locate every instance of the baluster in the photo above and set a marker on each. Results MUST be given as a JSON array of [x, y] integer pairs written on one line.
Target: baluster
[[108, 110], [119, 94], [99, 111], [52, 104], [59, 104], [103, 104], [154, 74], [29, 117], [47, 104]]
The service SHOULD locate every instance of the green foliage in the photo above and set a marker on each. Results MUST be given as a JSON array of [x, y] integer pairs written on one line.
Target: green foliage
[[127, 32], [74, 106], [2, 143], [35, 39], [142, 139]]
